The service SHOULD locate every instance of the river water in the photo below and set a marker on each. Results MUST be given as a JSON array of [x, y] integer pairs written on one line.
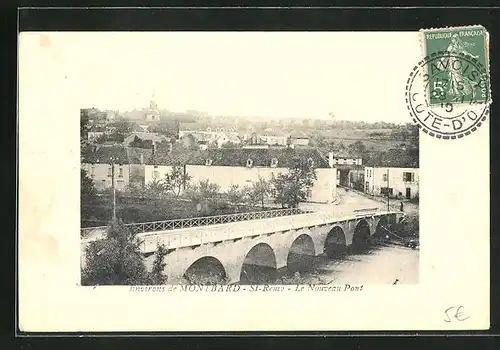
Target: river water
[[386, 264], [380, 264]]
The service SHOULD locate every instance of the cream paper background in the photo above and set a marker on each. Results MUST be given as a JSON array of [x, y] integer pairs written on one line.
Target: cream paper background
[[454, 212]]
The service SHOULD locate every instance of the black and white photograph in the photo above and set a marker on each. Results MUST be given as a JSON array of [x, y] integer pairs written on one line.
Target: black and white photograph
[[212, 173]]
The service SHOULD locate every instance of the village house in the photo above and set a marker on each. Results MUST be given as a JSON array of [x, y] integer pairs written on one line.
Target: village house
[[128, 165], [347, 158], [242, 167], [298, 138], [392, 181], [95, 132], [204, 138], [153, 138], [395, 174]]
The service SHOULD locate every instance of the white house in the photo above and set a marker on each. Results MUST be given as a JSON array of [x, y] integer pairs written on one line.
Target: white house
[[128, 166], [347, 159], [397, 182], [298, 138], [207, 137]]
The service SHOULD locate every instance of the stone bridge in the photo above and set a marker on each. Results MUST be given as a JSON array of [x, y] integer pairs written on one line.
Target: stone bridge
[[267, 243]]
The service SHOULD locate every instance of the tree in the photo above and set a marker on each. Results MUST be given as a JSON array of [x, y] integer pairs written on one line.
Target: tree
[[202, 190], [88, 192], [235, 195], [156, 188], [123, 127], [259, 191], [139, 143], [88, 197], [117, 260], [229, 144], [84, 124], [136, 189], [293, 186], [176, 180], [159, 264], [341, 147], [358, 147]]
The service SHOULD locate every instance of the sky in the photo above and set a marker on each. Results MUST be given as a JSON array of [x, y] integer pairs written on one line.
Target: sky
[[358, 76]]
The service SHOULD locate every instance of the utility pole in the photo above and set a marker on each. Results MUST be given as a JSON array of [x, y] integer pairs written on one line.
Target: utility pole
[[388, 208], [113, 186]]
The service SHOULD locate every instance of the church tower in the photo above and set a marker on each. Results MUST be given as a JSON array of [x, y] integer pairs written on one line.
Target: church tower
[[153, 114]]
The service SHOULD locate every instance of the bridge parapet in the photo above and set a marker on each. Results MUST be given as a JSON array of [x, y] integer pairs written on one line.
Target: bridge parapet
[[215, 234], [99, 232]]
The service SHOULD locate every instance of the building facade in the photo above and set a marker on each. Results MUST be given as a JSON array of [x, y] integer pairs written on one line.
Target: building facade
[[242, 167], [128, 166], [101, 174], [395, 182]]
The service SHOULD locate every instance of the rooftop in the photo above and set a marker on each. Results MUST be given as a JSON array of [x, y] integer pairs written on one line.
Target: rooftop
[[121, 154], [394, 158], [260, 157], [149, 136]]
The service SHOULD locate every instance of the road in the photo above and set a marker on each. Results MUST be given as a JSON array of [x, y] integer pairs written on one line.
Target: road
[[352, 200]]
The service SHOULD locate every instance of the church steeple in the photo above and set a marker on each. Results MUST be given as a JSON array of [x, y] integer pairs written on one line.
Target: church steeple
[[152, 103], [153, 114]]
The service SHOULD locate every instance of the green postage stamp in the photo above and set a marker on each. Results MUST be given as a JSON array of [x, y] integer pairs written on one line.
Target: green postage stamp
[[458, 68]]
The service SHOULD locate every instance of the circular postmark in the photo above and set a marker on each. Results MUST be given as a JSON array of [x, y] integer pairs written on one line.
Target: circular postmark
[[447, 95]]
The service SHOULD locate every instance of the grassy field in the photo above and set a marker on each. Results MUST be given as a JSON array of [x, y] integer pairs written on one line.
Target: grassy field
[[356, 134]]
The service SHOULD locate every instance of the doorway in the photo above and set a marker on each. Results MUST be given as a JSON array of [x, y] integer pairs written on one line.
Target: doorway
[[408, 193]]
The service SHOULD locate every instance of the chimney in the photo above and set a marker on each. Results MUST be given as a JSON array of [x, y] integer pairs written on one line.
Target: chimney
[[330, 159]]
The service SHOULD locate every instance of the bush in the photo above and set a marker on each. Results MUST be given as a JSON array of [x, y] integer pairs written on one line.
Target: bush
[[117, 260]]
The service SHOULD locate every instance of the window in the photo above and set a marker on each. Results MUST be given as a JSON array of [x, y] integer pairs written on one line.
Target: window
[[249, 162], [208, 162], [110, 171], [274, 162], [408, 177], [156, 174], [386, 191], [120, 172], [384, 177]]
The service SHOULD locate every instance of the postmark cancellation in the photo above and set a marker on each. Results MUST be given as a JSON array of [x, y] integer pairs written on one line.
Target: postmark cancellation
[[448, 92]]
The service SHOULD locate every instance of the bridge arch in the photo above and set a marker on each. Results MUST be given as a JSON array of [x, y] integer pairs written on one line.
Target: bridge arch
[[335, 243], [206, 270], [380, 231], [361, 236], [301, 254], [259, 264]]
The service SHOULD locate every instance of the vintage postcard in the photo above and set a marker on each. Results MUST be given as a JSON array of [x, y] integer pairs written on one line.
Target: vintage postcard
[[254, 181]]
